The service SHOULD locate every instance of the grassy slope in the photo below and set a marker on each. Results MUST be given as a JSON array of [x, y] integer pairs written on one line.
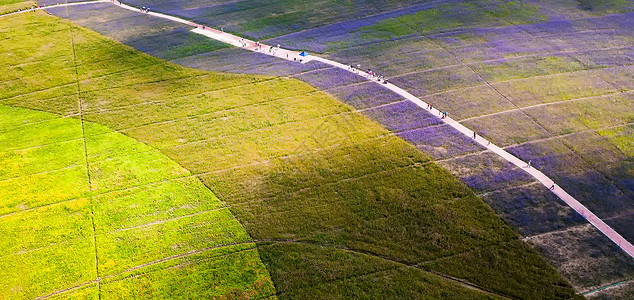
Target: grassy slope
[[338, 204]]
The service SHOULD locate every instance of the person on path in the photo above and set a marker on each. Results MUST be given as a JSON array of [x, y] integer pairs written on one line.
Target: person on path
[[529, 164], [474, 135], [552, 187]]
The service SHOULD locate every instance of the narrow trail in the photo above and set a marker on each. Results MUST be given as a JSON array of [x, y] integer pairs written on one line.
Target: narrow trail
[[290, 55]]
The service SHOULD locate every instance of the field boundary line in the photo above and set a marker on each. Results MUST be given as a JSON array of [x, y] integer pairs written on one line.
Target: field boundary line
[[496, 83], [577, 226], [607, 95], [527, 184], [325, 117], [512, 58], [164, 101], [193, 116], [145, 225], [561, 136], [71, 166], [418, 266], [87, 162], [151, 263]]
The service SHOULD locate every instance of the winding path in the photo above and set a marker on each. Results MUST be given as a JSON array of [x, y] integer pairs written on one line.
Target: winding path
[[295, 56]]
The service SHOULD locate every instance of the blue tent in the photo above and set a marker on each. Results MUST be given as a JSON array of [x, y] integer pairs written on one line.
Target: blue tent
[[304, 53]]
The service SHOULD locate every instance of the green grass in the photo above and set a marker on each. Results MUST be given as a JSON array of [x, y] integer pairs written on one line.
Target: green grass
[[145, 207], [7, 2], [470, 102], [621, 138], [452, 16], [502, 257], [295, 167], [555, 87], [209, 275], [575, 116], [528, 67], [609, 6], [509, 128]]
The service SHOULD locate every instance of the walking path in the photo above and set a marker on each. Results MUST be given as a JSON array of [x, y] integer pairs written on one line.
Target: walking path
[[295, 56], [56, 5]]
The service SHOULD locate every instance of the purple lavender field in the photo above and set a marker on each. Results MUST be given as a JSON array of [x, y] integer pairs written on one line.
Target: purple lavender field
[[551, 81]]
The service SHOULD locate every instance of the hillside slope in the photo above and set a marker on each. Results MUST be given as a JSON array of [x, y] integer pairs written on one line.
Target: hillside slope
[[339, 207]]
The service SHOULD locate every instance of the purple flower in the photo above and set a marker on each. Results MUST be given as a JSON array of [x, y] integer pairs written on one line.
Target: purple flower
[[402, 116], [365, 95], [440, 141], [486, 172], [330, 78], [533, 209]]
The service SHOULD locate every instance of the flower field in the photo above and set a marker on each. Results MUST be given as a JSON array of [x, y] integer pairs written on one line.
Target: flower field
[[260, 186], [549, 81]]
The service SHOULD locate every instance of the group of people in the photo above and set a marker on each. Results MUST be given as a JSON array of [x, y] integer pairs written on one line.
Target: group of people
[[378, 77], [32, 8], [145, 9], [370, 73]]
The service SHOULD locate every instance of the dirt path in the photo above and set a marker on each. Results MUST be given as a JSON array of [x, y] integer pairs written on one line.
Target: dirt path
[[276, 51]]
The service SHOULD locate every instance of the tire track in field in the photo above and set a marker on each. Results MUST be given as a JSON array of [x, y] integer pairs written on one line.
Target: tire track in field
[[87, 163], [165, 259], [419, 266]]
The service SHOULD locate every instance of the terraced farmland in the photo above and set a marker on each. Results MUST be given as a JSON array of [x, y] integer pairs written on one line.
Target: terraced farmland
[[550, 81], [336, 206]]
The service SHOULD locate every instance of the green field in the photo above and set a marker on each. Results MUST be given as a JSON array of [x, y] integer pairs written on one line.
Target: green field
[[116, 200], [333, 205]]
